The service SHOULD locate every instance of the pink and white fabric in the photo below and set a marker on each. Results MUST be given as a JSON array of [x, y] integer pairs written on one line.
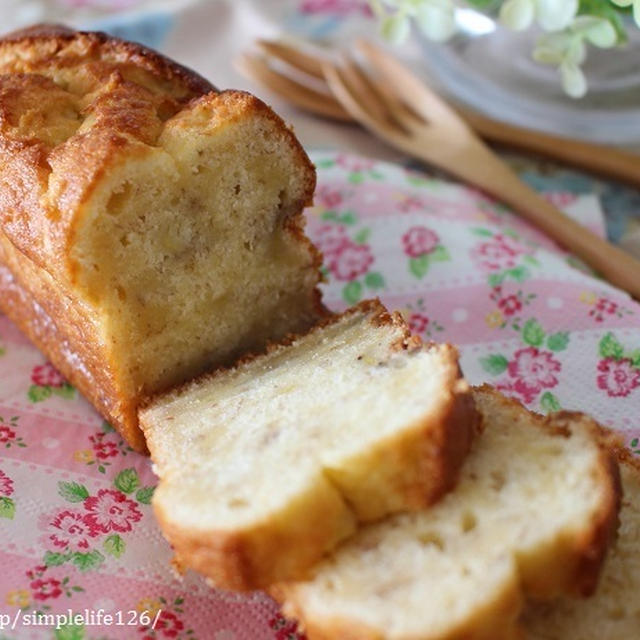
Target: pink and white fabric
[[76, 528]]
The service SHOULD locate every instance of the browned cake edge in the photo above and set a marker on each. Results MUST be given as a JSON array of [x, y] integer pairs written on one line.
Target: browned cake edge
[[245, 560], [578, 576]]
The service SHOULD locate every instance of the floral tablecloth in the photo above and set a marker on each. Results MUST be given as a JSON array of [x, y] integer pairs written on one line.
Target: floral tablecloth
[[77, 535]]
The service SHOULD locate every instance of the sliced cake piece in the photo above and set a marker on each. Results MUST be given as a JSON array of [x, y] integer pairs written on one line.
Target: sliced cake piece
[[613, 613], [531, 514], [266, 466]]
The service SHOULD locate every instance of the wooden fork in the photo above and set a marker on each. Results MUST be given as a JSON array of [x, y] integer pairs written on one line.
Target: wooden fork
[[400, 109], [600, 159]]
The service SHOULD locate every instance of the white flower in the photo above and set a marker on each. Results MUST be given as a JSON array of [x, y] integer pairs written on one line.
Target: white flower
[[435, 18], [628, 3], [551, 15], [395, 28], [567, 50]]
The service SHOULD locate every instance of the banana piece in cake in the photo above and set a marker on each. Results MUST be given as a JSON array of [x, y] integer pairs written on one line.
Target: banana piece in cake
[[613, 613], [150, 226], [266, 466], [531, 515]]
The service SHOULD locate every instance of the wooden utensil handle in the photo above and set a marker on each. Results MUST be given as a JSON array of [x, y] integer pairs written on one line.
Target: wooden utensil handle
[[495, 177], [600, 159]]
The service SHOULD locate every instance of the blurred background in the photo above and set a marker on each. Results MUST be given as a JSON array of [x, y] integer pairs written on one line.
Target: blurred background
[[483, 65]]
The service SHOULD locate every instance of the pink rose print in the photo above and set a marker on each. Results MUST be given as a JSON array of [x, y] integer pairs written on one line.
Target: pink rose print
[[46, 589], [331, 239], [418, 241], [70, 531], [6, 484], [618, 377], [603, 307], [418, 322], [46, 375], [410, 203], [560, 198], [103, 449], [6, 434], [338, 7], [110, 4], [327, 197], [533, 371], [351, 261], [500, 253], [510, 305], [286, 629], [110, 510], [169, 624], [352, 163]]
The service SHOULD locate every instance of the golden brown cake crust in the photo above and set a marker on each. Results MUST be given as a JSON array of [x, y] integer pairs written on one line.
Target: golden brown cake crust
[[73, 107], [54, 82]]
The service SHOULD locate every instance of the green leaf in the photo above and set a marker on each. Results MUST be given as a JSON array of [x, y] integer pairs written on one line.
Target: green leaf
[[419, 266], [533, 333], [482, 4], [634, 356], [439, 254], [558, 341], [52, 559], [70, 632], [352, 292], [519, 274], [37, 393], [145, 494], [374, 280], [418, 181], [495, 364], [106, 427], [348, 218], [529, 259], [87, 561], [329, 215], [480, 231], [114, 545], [362, 236], [65, 391], [7, 508], [604, 9], [72, 491], [127, 480], [609, 347], [356, 177], [324, 164], [549, 402], [495, 279]]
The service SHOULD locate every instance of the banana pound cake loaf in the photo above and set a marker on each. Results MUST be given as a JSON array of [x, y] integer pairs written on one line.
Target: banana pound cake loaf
[[150, 225]]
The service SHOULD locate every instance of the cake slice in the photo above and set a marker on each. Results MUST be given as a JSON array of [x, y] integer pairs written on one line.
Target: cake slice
[[266, 466], [613, 613], [531, 515], [151, 226]]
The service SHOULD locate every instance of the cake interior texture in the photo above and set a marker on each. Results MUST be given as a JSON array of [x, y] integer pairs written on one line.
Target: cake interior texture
[[151, 225], [185, 248], [529, 502], [346, 416], [613, 612]]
